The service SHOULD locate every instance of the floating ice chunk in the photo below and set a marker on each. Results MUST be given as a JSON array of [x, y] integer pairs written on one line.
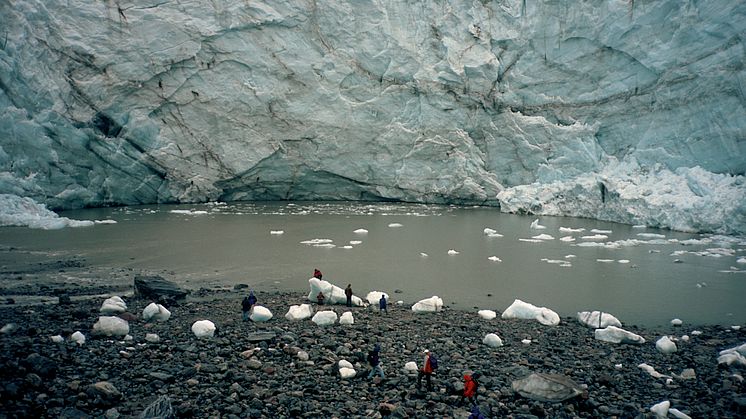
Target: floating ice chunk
[[595, 237], [623, 261], [327, 245], [488, 231], [111, 326], [665, 345], [491, 235], [113, 305], [346, 247], [531, 240], [639, 226], [276, 232], [570, 256], [598, 319], [676, 322], [324, 318], [78, 337], [260, 314], [203, 329], [605, 260], [395, 225], [543, 237], [374, 297], [355, 242], [453, 252], [494, 259], [615, 334], [742, 259], [346, 318], [597, 231], [57, 339], [650, 370], [492, 340], [361, 231], [299, 312], [188, 212], [332, 293], [317, 241], [423, 255], [571, 230], [522, 310], [651, 235], [567, 239], [536, 226], [487, 314], [428, 305], [735, 355], [104, 221], [660, 410], [155, 312], [555, 261]]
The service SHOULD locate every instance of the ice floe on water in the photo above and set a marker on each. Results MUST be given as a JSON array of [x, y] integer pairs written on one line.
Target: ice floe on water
[[536, 226], [491, 233], [423, 255], [355, 242], [568, 239], [595, 237], [494, 259], [651, 235], [188, 212], [598, 231], [453, 252], [531, 240], [25, 212], [543, 237], [395, 225], [329, 243], [361, 231], [571, 230], [276, 232]]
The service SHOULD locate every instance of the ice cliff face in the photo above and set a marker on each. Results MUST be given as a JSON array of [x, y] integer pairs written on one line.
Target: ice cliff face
[[551, 107]]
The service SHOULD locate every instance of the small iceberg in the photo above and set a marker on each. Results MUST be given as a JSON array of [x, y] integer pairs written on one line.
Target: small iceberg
[[203, 329], [361, 231], [598, 319], [332, 293], [494, 259], [567, 239], [597, 231], [492, 340], [615, 334], [374, 297], [487, 314], [276, 232], [543, 237], [111, 326], [522, 310], [113, 305], [324, 318], [595, 237], [536, 226], [423, 254], [155, 312], [395, 225], [260, 314], [428, 305], [665, 345], [299, 312], [571, 230], [346, 318], [453, 252], [736, 355]]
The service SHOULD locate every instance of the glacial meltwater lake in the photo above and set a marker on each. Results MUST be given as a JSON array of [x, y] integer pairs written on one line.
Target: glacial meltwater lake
[[642, 276]]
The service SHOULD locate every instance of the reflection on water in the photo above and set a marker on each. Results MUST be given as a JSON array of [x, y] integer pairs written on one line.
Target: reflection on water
[[640, 275]]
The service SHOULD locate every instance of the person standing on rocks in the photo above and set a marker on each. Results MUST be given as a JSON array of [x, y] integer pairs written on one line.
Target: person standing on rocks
[[348, 293], [317, 274], [374, 360], [470, 388], [320, 298], [426, 371], [382, 304], [247, 303]]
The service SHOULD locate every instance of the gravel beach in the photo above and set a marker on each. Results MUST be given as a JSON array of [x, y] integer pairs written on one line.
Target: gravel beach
[[252, 369]]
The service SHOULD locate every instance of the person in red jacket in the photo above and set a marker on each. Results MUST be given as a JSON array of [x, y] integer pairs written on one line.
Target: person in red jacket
[[426, 371], [470, 388], [317, 274]]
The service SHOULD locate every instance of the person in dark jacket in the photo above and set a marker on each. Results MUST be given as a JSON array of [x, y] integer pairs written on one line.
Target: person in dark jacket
[[317, 274], [348, 294], [382, 304], [320, 298], [374, 360], [247, 303]]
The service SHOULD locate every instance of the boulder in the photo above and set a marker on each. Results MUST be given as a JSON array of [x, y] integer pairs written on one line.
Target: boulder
[[547, 387], [157, 288]]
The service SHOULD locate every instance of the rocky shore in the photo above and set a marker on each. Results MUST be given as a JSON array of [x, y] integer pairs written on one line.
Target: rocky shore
[[260, 369]]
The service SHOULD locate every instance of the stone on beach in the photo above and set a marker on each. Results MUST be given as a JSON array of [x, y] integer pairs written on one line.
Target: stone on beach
[[157, 288], [615, 334], [428, 305], [299, 312], [203, 329], [522, 310], [110, 326], [547, 387], [598, 319]]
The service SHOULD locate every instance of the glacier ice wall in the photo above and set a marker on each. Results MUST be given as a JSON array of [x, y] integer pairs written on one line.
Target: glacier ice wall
[[548, 107]]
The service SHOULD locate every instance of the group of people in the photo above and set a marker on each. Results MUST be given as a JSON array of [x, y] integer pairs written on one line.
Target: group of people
[[429, 363]]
